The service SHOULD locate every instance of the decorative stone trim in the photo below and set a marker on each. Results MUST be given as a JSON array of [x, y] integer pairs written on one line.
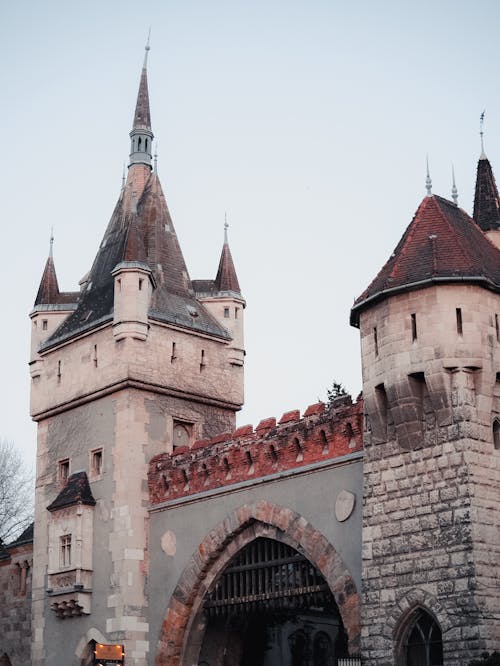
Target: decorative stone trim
[[183, 627]]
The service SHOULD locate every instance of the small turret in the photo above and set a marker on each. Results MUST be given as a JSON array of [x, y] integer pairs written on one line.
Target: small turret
[[486, 200], [222, 298], [134, 284], [50, 309]]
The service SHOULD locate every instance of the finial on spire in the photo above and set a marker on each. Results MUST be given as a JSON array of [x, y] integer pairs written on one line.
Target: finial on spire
[[147, 49], [454, 191], [123, 177], [155, 169], [226, 227], [481, 134], [428, 181], [51, 241]]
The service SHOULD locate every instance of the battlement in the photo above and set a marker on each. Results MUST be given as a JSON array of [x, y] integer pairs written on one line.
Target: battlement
[[321, 433]]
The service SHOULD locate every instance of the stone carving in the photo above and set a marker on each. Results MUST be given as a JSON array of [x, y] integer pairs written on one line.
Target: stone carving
[[344, 505]]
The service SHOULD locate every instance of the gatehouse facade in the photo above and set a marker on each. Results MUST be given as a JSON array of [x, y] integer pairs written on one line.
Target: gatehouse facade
[[348, 533]]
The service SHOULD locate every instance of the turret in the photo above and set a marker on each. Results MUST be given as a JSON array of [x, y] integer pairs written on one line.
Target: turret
[[430, 345], [222, 298], [486, 200], [50, 309]]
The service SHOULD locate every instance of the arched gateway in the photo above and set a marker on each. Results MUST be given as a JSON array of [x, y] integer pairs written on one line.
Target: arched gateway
[[263, 586]]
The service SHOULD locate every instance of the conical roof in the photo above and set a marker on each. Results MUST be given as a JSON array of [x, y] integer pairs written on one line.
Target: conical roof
[[142, 115], [48, 291], [441, 244], [486, 200], [226, 279]]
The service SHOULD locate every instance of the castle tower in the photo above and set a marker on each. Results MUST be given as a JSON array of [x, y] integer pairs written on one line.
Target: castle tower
[[132, 365], [430, 344]]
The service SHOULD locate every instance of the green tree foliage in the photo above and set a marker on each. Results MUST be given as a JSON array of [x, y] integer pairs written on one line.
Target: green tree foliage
[[337, 390]]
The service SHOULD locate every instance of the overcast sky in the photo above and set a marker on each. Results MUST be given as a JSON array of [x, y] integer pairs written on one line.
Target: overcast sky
[[308, 121]]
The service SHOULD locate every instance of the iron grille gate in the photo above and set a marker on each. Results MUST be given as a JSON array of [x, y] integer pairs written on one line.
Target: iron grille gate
[[267, 576]]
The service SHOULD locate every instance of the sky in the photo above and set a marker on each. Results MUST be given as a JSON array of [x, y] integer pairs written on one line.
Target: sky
[[306, 121]]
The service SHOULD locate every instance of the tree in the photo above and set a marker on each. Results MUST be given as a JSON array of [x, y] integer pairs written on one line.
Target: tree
[[337, 390], [16, 493]]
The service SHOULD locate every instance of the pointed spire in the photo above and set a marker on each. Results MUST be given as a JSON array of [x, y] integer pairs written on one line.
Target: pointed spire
[[486, 200], [48, 291], [428, 181], [141, 135], [226, 279], [481, 133], [454, 191]]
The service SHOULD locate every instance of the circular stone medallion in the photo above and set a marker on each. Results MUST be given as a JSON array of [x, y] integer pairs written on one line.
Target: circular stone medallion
[[344, 505]]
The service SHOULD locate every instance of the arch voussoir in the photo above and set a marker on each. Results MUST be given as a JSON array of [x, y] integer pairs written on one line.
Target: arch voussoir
[[248, 522]]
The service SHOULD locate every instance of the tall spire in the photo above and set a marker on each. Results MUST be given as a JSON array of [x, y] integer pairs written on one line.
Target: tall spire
[[428, 181], [48, 291], [454, 191], [481, 134], [141, 135]]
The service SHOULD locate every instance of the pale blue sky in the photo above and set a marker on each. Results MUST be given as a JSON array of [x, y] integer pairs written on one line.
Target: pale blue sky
[[308, 121]]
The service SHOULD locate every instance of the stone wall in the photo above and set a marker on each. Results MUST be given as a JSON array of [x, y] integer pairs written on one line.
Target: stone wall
[[15, 605]]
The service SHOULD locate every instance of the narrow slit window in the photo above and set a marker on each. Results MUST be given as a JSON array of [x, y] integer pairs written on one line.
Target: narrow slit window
[[226, 313], [174, 354], [202, 360], [140, 284], [375, 340], [459, 321], [413, 326], [44, 324], [236, 312], [496, 434], [95, 356], [96, 462], [497, 327]]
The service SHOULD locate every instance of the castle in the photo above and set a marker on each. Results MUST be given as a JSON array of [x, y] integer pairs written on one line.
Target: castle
[[363, 532]]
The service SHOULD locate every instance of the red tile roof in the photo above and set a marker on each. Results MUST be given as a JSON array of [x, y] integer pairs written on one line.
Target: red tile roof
[[442, 243]]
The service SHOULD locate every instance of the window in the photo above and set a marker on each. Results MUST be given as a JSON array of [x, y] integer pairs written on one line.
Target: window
[[202, 360], [96, 462], [496, 434], [63, 471], [424, 644], [95, 356], [459, 321], [497, 327], [173, 355], [375, 340], [44, 324], [65, 551], [226, 313], [236, 312], [182, 434], [413, 326]]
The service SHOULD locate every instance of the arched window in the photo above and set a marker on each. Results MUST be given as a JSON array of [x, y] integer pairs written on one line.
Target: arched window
[[423, 645], [496, 433]]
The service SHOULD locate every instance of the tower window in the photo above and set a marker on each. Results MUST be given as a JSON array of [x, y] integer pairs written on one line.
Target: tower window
[[459, 321], [413, 326], [202, 360], [63, 471], [139, 143], [96, 462], [140, 284], [497, 327], [496, 434], [65, 551], [173, 356], [226, 313], [59, 371], [236, 312], [375, 340], [182, 434], [44, 324], [95, 356]]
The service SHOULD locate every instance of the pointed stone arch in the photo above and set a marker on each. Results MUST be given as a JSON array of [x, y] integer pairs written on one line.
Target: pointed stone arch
[[183, 617]]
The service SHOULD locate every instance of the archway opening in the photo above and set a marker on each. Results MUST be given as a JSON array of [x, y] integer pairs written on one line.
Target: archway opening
[[271, 606], [423, 642]]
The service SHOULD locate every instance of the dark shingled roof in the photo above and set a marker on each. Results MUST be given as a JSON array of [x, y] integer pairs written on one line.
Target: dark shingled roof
[[24, 537], [142, 115], [442, 243], [226, 279], [486, 201], [76, 491]]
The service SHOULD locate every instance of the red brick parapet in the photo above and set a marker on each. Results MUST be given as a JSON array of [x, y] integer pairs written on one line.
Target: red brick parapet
[[248, 454]]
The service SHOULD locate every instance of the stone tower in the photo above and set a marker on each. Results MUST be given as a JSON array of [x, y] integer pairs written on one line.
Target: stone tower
[[430, 344], [141, 360]]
